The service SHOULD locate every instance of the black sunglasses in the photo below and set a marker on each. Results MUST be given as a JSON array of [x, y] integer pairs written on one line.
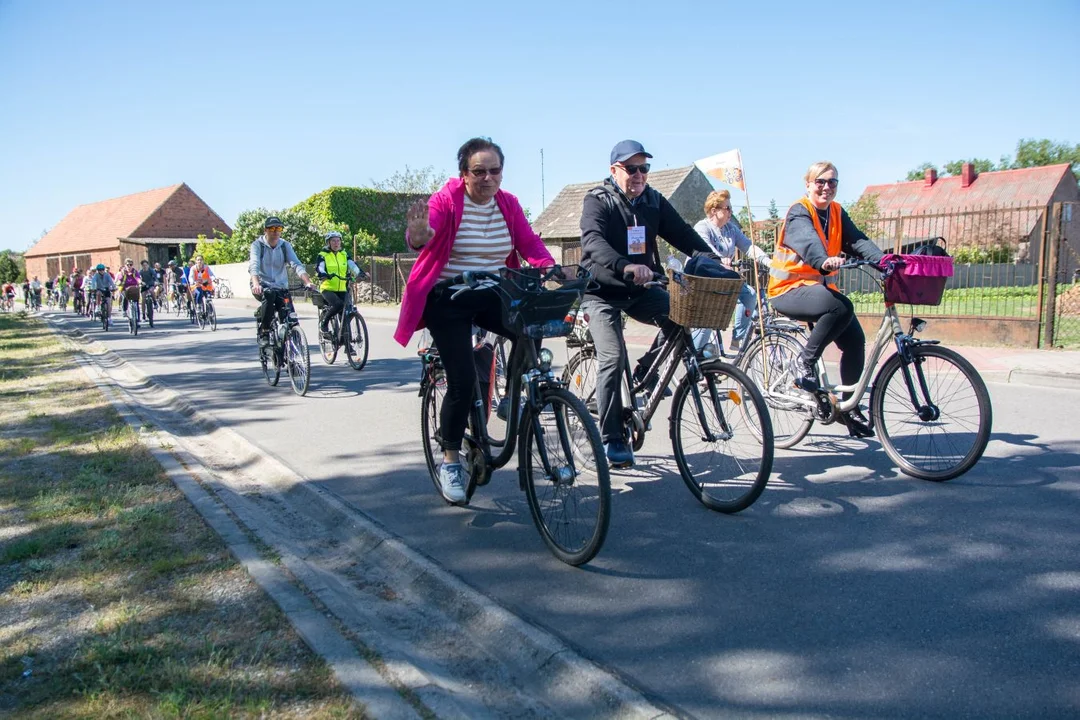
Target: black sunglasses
[[831, 182], [484, 172], [635, 169]]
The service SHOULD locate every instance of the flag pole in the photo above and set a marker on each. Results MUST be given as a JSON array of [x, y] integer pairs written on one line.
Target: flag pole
[[754, 272]]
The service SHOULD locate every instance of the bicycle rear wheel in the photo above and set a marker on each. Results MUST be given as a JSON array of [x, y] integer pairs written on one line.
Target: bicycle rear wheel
[[580, 377], [947, 435], [298, 360], [566, 477], [356, 341], [270, 368], [791, 421], [724, 445]]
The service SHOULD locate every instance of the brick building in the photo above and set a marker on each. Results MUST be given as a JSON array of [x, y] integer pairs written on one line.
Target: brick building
[[149, 225]]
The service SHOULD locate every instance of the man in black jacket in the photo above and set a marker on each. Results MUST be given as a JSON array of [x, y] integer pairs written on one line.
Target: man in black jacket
[[620, 221]]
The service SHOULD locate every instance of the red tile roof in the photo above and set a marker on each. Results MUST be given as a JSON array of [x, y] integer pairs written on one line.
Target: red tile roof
[[100, 225], [1001, 188]]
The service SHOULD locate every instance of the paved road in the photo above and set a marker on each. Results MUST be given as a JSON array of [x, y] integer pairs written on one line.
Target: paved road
[[847, 590]]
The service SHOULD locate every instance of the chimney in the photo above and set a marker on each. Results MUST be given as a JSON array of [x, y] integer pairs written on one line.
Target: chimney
[[967, 174], [931, 177]]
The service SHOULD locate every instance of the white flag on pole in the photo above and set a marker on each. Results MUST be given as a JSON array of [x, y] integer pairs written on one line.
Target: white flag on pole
[[725, 167]]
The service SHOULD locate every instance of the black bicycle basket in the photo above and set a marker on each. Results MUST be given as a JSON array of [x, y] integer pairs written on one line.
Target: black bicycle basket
[[537, 308]]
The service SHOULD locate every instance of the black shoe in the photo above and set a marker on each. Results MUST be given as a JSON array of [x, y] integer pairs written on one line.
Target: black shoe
[[807, 375], [651, 387], [857, 425], [619, 454]]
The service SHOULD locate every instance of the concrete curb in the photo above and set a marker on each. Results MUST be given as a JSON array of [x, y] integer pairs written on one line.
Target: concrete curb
[[563, 683], [354, 673]]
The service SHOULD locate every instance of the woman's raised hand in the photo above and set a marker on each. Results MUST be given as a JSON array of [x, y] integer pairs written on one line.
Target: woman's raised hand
[[419, 231]]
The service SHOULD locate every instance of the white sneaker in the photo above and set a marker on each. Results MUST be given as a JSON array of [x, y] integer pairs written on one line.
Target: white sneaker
[[452, 482]]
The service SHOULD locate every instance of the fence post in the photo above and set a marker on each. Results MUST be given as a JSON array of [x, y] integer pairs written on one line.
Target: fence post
[[371, 280], [1050, 313]]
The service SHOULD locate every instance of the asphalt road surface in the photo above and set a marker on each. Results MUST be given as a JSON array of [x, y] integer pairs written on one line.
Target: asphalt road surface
[[847, 590]]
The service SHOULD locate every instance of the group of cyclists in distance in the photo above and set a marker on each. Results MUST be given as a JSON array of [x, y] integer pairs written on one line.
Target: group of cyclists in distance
[[98, 288]]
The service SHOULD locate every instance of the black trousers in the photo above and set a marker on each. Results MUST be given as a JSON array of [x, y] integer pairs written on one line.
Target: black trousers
[[272, 302], [335, 303], [834, 320], [450, 323]]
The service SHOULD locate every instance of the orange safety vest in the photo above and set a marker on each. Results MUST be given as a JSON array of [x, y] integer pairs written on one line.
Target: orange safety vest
[[788, 270], [201, 277]]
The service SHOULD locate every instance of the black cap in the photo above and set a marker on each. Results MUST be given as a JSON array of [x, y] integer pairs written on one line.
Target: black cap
[[626, 150], [273, 222]]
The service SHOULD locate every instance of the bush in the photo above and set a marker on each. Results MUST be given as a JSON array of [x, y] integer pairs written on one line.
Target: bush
[[378, 216], [304, 233], [982, 254]]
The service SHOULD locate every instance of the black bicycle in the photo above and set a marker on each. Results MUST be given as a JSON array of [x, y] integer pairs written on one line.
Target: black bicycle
[[720, 429], [148, 304], [288, 346], [205, 312], [561, 464], [131, 309], [347, 330]]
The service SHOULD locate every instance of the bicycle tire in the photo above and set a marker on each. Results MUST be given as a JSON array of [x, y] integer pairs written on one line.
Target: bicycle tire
[[430, 404], [133, 318], [328, 346], [729, 474], [267, 359], [211, 316], [298, 360], [551, 498], [148, 309], [357, 341], [791, 422], [580, 378], [935, 452], [200, 313]]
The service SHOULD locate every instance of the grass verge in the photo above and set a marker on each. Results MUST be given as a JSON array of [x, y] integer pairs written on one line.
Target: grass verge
[[116, 600]]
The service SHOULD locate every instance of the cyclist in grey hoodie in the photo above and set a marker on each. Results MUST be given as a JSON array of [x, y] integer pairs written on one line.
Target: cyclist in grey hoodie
[[270, 258]]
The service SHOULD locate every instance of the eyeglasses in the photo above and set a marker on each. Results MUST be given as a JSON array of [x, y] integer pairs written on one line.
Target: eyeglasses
[[635, 169], [822, 182], [484, 172], [725, 208], [279, 228]]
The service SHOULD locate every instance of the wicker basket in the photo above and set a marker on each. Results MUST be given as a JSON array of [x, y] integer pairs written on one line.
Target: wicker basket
[[701, 302]]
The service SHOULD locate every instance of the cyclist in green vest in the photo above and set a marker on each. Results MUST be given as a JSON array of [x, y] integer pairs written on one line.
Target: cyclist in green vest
[[333, 266]]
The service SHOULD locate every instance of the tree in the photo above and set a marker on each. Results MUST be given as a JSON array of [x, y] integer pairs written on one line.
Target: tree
[[920, 172], [425, 180], [305, 235], [11, 267], [864, 213], [981, 165], [744, 217], [774, 213], [1038, 153]]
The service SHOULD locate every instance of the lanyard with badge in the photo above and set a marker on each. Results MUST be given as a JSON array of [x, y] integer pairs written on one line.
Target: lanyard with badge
[[635, 238]]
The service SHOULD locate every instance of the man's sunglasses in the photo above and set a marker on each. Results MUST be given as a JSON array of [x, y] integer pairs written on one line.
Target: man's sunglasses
[[831, 182], [635, 169], [484, 172]]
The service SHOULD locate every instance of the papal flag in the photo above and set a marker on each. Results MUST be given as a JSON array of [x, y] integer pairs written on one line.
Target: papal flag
[[725, 167]]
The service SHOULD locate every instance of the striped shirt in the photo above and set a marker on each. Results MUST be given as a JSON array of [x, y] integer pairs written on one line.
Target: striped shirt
[[482, 241]]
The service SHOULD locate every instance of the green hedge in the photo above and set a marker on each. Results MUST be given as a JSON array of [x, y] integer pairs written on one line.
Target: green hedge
[[379, 214]]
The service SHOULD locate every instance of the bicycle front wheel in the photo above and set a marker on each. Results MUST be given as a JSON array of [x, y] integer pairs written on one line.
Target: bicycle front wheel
[[722, 438], [148, 311], [566, 477], [298, 360], [271, 370], [356, 341], [791, 420], [211, 316], [947, 433]]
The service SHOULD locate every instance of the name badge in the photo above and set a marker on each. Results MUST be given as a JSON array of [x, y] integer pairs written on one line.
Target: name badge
[[635, 240]]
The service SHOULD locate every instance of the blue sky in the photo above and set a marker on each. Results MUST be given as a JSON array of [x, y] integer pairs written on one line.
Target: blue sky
[[263, 104]]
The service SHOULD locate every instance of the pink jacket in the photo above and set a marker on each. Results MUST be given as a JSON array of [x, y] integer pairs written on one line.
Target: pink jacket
[[444, 215]]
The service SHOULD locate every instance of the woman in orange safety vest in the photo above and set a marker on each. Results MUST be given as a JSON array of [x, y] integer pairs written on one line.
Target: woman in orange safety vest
[[802, 281]]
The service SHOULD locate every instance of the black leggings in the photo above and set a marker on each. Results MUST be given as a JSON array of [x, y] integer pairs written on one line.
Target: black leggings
[[272, 302], [834, 320], [335, 302], [450, 323]]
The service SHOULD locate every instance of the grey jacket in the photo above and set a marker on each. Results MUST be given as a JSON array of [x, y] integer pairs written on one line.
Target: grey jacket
[[270, 264]]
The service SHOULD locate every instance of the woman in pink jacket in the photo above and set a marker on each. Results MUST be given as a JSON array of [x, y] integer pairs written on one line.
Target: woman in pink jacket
[[470, 224]]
